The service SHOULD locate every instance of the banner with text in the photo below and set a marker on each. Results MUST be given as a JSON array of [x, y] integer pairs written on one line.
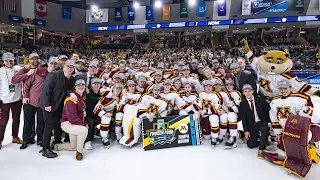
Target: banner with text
[[166, 12], [171, 131], [299, 5], [66, 12], [222, 8], [131, 13], [269, 6], [149, 13], [246, 7], [118, 14], [183, 10], [201, 10], [98, 16]]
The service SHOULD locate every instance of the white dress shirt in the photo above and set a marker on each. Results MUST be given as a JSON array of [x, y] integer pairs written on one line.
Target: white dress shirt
[[256, 117]]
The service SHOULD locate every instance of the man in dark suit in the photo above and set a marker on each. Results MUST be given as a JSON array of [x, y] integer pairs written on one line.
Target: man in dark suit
[[90, 75], [242, 77], [56, 87], [254, 114]]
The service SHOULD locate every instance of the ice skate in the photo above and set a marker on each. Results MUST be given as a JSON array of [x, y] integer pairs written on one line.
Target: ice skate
[[106, 143], [220, 139], [231, 143], [213, 142]]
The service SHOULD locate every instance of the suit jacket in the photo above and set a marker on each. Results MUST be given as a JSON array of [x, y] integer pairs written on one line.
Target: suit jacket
[[54, 90], [246, 116], [84, 76], [245, 77]]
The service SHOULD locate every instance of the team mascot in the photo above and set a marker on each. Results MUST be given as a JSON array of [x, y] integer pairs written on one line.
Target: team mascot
[[272, 67]]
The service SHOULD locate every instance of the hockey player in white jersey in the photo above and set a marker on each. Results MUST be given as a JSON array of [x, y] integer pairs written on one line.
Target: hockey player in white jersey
[[227, 111], [209, 114], [130, 97], [191, 98], [145, 70], [187, 77], [104, 109], [174, 100]]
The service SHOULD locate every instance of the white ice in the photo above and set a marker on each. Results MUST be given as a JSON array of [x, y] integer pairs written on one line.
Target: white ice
[[121, 163]]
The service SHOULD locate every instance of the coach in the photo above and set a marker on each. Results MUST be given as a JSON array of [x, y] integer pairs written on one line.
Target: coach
[[56, 87]]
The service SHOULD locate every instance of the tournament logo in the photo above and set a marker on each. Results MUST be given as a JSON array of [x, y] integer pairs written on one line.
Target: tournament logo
[[161, 134], [97, 14]]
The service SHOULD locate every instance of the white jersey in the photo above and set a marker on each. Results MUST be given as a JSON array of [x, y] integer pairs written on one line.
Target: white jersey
[[6, 95], [155, 105], [130, 98], [268, 82], [193, 101], [194, 81], [209, 102], [174, 99], [225, 100], [281, 108], [145, 74], [105, 105], [236, 97]]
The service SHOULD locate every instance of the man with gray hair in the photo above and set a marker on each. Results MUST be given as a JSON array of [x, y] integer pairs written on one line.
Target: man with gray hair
[[241, 78]]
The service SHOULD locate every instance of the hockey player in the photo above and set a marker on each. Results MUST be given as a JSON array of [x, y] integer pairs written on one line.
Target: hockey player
[[145, 71], [105, 108], [177, 86], [209, 113], [227, 112], [131, 97], [175, 73], [289, 103], [175, 104], [191, 98], [156, 106], [156, 79], [193, 79], [142, 86]]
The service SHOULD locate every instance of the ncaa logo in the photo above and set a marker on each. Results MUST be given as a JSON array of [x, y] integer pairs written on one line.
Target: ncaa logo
[[183, 128]]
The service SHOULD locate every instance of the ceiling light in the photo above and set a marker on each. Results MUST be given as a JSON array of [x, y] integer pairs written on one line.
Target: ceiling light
[[94, 8], [136, 5], [158, 4]]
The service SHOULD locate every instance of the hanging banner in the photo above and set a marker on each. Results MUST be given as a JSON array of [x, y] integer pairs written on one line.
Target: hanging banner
[[41, 8], [118, 14], [201, 10], [131, 14], [300, 5], [246, 7], [268, 6], [183, 10], [66, 12], [149, 13], [166, 12], [99, 16], [222, 8]]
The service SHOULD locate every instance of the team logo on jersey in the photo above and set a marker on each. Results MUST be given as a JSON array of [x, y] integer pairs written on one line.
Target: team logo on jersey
[[206, 103], [283, 112], [153, 108], [131, 101], [161, 134], [265, 84]]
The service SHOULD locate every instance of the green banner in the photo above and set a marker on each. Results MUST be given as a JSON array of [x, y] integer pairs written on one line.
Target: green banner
[[183, 10], [299, 5]]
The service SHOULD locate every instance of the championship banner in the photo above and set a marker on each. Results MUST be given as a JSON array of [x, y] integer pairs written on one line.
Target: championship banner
[[201, 10], [131, 14], [246, 7], [41, 8], [66, 12], [171, 131], [183, 10], [222, 8], [299, 5], [99, 16], [149, 13], [118, 14], [269, 6], [166, 12]]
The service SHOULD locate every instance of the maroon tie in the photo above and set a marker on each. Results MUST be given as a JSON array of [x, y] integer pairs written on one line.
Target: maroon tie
[[252, 110]]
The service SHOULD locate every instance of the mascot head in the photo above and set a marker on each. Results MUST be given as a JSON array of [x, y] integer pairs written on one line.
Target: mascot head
[[275, 62]]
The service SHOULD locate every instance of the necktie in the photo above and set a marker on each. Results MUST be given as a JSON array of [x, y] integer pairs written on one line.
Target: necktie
[[252, 110], [90, 78]]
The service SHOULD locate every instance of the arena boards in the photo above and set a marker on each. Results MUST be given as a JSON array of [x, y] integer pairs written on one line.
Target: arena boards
[[171, 131]]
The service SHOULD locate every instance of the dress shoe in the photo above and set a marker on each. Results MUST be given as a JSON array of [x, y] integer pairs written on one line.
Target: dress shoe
[[79, 156], [17, 140], [49, 154], [260, 154], [32, 141], [24, 145], [0, 146]]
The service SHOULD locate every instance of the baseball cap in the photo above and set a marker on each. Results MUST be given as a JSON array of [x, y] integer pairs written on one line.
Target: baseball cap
[[141, 78], [96, 80], [33, 55], [63, 57], [80, 81], [158, 73], [234, 66], [217, 82], [144, 63], [175, 67], [7, 56], [229, 82], [80, 60], [69, 62], [118, 85], [247, 86], [156, 87], [130, 82], [200, 66], [167, 81], [283, 84], [93, 64], [194, 61], [116, 75], [53, 60], [207, 82], [177, 79], [186, 68]]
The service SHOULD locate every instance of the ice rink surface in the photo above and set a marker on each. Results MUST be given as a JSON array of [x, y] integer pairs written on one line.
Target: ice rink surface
[[121, 163]]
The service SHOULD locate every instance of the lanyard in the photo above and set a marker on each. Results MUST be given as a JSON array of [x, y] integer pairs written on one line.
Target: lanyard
[[5, 68]]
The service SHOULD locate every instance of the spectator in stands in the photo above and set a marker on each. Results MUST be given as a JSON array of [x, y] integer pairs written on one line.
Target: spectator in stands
[[10, 98], [56, 87]]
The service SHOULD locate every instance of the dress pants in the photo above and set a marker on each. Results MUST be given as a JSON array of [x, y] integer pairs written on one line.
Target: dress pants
[[260, 130], [52, 122], [15, 108], [29, 123], [92, 127]]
